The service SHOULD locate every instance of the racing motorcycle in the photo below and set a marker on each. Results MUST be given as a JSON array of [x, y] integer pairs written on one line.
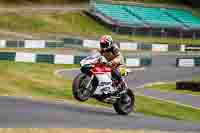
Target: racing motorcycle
[[96, 81]]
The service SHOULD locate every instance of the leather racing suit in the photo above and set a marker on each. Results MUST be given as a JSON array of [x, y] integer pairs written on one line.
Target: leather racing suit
[[113, 55]]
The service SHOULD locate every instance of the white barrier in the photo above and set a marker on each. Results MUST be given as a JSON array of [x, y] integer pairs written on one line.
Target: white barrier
[[34, 43], [128, 46], [25, 57], [182, 48], [2, 43], [159, 47], [91, 44], [64, 59], [133, 62], [186, 63]]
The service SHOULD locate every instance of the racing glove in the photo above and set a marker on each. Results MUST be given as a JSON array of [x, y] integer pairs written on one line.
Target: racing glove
[[110, 63]]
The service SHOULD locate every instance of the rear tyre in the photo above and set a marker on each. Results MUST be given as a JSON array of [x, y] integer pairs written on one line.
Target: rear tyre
[[79, 90], [125, 108]]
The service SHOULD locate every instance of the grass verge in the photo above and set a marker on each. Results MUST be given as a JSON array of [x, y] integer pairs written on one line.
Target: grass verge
[[69, 50], [39, 81], [72, 51], [39, 2], [154, 107], [27, 79], [170, 87], [73, 24]]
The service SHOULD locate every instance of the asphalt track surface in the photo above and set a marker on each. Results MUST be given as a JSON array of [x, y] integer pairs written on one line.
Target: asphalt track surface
[[22, 112]]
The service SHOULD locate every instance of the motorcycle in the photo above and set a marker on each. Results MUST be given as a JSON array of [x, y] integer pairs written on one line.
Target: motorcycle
[[95, 81]]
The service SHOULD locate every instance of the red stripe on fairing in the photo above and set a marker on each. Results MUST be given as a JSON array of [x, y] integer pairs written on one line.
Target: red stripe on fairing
[[101, 69]]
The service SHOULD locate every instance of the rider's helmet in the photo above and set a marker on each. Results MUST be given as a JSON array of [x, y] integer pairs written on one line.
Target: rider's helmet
[[106, 42]]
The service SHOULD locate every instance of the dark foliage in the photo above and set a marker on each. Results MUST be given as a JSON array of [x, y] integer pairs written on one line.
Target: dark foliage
[[190, 85]]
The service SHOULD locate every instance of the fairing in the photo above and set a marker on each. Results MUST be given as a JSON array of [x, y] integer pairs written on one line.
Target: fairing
[[101, 69]]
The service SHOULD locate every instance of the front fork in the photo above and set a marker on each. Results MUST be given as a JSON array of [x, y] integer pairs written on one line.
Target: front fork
[[88, 84]]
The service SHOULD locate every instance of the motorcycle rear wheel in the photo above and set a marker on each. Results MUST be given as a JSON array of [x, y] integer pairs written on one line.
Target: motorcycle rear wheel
[[125, 108]]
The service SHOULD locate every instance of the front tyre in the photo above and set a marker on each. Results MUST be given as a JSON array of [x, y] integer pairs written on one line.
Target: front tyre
[[125, 108], [79, 90]]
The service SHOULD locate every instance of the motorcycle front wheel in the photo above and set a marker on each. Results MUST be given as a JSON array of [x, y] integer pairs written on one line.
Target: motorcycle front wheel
[[125, 108], [79, 90]]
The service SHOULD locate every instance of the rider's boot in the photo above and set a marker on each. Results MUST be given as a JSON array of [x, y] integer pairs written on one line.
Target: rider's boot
[[121, 87], [122, 90]]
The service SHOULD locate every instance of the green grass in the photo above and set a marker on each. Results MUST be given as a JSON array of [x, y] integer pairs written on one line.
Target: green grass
[[69, 50], [26, 79], [74, 24], [70, 23], [196, 79], [164, 109], [73, 51], [80, 1], [39, 81], [36, 50], [170, 87], [31, 2]]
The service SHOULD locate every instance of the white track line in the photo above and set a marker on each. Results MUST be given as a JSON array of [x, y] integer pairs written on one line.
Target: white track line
[[63, 70], [72, 69], [169, 101], [164, 82]]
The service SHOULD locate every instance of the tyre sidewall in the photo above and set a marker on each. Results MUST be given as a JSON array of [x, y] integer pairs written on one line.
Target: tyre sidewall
[[118, 104], [75, 86]]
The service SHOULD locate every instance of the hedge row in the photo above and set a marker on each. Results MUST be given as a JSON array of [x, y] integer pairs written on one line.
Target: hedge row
[[188, 85]]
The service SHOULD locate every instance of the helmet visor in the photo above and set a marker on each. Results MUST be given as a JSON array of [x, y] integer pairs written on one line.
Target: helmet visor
[[104, 45]]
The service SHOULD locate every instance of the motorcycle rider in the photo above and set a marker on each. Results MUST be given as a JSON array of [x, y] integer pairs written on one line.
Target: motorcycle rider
[[111, 52]]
